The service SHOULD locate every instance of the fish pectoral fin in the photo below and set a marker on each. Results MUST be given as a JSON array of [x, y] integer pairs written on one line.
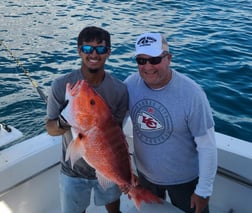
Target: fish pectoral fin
[[75, 149], [103, 181]]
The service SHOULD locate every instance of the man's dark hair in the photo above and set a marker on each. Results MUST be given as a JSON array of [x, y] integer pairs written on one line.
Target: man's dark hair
[[92, 33]]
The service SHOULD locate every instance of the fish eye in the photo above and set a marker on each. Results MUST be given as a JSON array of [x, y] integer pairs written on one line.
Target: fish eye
[[92, 102]]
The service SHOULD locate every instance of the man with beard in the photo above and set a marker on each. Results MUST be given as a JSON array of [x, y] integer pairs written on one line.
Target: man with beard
[[94, 47]]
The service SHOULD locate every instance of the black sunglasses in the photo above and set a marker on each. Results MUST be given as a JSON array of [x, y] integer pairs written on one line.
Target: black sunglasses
[[152, 60], [89, 49]]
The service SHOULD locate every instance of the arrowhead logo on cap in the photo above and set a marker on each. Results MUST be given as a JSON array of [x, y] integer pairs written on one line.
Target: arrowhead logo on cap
[[146, 41]]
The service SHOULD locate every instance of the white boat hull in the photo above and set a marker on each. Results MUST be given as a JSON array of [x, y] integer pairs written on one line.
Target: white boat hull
[[8, 134], [29, 178]]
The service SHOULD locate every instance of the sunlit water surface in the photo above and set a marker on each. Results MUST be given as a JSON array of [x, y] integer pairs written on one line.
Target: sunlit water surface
[[211, 42]]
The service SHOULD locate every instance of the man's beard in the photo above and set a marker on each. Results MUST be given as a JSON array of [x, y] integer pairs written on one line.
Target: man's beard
[[93, 70]]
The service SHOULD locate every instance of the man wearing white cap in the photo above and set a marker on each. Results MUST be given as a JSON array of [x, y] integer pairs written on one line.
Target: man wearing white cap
[[174, 142]]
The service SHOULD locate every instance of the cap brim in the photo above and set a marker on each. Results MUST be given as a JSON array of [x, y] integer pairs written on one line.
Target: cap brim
[[147, 51]]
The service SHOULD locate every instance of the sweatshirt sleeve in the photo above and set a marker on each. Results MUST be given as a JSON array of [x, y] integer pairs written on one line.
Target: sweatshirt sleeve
[[207, 151]]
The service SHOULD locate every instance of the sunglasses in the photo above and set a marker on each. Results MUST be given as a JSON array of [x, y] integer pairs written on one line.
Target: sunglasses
[[152, 60], [89, 49]]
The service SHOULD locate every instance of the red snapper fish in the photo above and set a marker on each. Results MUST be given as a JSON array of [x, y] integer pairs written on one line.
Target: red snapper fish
[[99, 140]]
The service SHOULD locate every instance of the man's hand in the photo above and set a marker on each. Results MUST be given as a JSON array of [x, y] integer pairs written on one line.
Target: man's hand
[[126, 188], [199, 203]]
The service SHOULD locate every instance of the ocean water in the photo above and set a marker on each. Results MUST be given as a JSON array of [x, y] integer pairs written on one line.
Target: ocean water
[[210, 41]]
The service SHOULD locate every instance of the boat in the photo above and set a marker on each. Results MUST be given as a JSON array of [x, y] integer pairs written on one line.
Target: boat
[[29, 173]]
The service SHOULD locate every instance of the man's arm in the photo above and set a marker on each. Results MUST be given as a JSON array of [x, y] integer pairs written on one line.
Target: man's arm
[[206, 147]]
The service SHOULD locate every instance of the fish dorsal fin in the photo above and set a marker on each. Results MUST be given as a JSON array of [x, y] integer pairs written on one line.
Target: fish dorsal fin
[[103, 181]]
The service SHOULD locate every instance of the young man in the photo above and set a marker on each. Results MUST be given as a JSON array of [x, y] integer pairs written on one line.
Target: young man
[[75, 184], [174, 142]]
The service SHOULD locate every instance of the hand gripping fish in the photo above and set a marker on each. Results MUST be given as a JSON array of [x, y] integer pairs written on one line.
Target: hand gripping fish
[[98, 139]]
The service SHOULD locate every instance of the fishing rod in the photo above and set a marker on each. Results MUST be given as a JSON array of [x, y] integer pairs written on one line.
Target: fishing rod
[[26, 72]]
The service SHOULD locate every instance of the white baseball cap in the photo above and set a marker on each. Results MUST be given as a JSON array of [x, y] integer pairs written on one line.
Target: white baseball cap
[[152, 44]]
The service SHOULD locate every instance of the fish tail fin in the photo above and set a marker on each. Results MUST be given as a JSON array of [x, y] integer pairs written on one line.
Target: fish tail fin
[[139, 195], [74, 151]]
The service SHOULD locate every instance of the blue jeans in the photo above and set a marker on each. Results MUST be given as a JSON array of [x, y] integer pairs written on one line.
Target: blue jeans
[[75, 194]]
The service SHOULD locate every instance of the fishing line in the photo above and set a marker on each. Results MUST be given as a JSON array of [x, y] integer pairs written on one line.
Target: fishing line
[[26, 72]]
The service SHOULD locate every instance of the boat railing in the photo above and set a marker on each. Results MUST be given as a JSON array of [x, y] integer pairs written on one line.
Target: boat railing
[[235, 177]]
